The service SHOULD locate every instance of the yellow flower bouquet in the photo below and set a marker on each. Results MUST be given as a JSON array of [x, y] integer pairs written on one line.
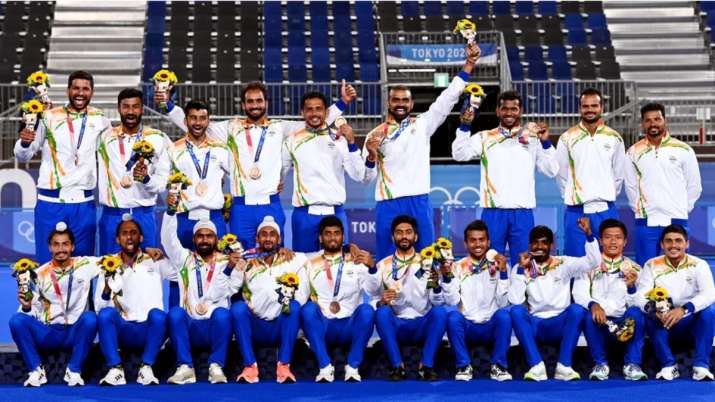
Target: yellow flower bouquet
[[164, 81], [39, 83], [30, 110], [289, 283], [24, 273], [229, 244], [110, 264], [658, 301], [467, 29], [176, 182]]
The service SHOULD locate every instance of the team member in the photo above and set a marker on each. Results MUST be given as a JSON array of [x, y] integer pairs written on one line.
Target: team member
[[336, 313], [56, 317], [320, 158], [125, 184], [67, 136], [398, 156], [688, 281], [206, 282], [268, 315], [255, 145], [479, 289], [591, 162], [662, 181], [205, 162], [130, 306], [608, 292], [408, 312], [509, 155], [540, 290]]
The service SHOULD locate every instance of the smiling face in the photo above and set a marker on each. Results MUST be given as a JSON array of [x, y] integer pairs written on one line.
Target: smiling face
[[314, 112], [205, 241], [130, 112], [61, 248], [332, 239], [255, 104], [268, 239], [197, 121], [477, 243], [653, 124], [509, 113], [404, 237], [129, 237], [674, 245], [613, 241], [79, 94], [400, 104], [591, 108], [540, 249]]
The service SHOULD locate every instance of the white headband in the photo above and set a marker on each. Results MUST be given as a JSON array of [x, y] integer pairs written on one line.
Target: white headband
[[204, 224], [268, 221]]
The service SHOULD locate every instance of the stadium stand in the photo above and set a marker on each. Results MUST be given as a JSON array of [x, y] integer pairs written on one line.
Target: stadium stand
[[26, 28]]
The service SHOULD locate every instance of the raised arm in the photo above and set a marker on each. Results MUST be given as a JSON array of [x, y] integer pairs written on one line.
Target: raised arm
[[176, 253]]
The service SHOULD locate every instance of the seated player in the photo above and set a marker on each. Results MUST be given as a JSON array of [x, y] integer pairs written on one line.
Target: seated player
[[336, 313], [407, 311], [480, 292], [540, 290], [608, 292], [270, 311], [688, 282]]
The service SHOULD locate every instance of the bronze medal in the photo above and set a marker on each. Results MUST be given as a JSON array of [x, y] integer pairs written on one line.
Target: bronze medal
[[201, 308], [126, 181], [255, 172], [201, 188], [334, 307]]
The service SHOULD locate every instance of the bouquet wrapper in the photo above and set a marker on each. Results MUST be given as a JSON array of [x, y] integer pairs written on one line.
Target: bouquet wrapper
[[165, 87], [175, 189], [30, 119]]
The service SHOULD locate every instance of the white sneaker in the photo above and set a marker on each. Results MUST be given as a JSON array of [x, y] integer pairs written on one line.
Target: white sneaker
[[702, 373], [537, 373], [499, 373], [183, 375], [73, 379], [36, 377], [115, 376], [633, 372], [216, 375], [146, 376], [600, 372], [352, 374], [465, 373], [566, 373], [668, 373], [326, 374]]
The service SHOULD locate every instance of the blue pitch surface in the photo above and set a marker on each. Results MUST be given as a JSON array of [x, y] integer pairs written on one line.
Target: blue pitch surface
[[443, 391]]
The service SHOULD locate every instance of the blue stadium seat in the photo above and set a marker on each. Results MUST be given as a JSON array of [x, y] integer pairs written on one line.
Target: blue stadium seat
[[363, 9], [557, 54], [601, 37], [524, 8], [456, 8], [320, 57], [501, 8], [561, 70], [154, 39], [597, 21], [707, 6], [533, 53], [432, 8], [710, 20], [319, 41], [369, 72], [409, 9], [273, 69], [343, 42], [297, 71], [568, 98], [548, 8], [573, 22], [538, 71], [577, 38], [517, 71], [479, 8]]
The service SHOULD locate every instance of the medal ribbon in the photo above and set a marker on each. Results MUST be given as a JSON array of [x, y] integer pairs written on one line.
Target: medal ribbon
[[257, 156], [407, 263], [204, 172], [130, 162], [477, 268], [70, 126], [403, 126], [199, 282], [58, 291], [338, 279]]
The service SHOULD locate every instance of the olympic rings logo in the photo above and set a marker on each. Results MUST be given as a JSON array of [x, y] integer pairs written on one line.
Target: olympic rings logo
[[26, 229], [455, 200]]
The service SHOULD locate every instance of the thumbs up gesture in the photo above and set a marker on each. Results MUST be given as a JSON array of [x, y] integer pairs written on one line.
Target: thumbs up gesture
[[347, 92]]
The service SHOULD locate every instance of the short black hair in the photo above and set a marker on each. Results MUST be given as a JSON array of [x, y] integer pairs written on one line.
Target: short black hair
[[674, 228], [652, 107], [479, 225], [590, 92], [196, 105], [141, 232], [128, 93], [252, 86], [80, 75], [612, 223], [400, 219], [330, 221], [539, 232], [56, 232], [509, 96], [313, 95]]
